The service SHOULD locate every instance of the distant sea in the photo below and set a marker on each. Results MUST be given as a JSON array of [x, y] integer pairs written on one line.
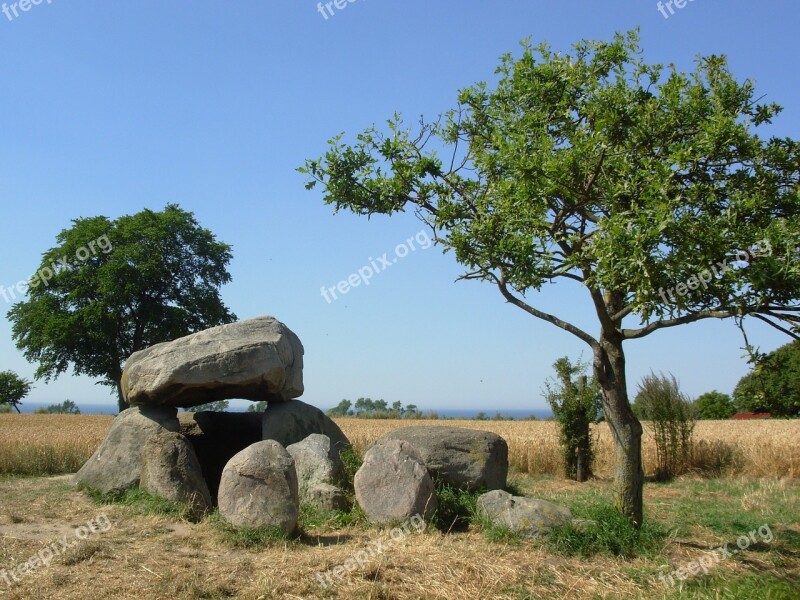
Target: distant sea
[[451, 413]]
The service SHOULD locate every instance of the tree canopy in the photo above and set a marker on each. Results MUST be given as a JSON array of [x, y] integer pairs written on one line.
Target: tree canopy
[[112, 287], [644, 186], [773, 385], [13, 389], [714, 405]]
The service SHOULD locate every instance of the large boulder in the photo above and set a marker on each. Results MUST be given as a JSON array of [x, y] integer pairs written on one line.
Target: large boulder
[[259, 488], [316, 461], [258, 359], [464, 458], [393, 483], [526, 516], [117, 464], [292, 422], [171, 470], [217, 437]]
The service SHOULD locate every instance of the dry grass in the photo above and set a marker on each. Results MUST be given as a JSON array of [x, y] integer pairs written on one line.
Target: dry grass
[[52, 444], [49, 444], [764, 448], [153, 557]]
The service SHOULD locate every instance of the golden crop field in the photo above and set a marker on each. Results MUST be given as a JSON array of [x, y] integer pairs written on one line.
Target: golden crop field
[[41, 444]]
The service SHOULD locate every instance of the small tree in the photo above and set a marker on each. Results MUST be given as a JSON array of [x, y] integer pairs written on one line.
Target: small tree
[[68, 407], [669, 413], [646, 188], [217, 406], [714, 405], [13, 389], [576, 404], [341, 410], [258, 407]]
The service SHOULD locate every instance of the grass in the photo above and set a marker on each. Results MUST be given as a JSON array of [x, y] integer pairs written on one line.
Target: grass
[[153, 550]]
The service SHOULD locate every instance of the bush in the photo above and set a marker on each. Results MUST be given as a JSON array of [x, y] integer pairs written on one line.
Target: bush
[[576, 404], [671, 417], [714, 405]]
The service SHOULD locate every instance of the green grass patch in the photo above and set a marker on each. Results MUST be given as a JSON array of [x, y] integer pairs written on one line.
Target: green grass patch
[[610, 534], [249, 538], [141, 502], [314, 518]]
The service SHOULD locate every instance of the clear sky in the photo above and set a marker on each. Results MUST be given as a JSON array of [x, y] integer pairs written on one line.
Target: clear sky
[[107, 108]]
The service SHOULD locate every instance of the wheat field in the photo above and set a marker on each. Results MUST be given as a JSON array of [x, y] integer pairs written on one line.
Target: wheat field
[[51, 444]]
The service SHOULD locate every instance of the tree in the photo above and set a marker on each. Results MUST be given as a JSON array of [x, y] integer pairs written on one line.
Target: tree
[[341, 410], [258, 407], [68, 407], [714, 405], [644, 187], [773, 385], [216, 406], [575, 402], [155, 278], [13, 389], [669, 413]]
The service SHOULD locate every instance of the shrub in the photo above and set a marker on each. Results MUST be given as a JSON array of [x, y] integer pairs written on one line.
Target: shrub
[[660, 402], [576, 404]]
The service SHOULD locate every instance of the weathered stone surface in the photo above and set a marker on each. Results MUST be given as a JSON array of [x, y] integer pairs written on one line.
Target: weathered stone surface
[[217, 437], [117, 464], [327, 497], [171, 470], [393, 483], [292, 422], [259, 488], [527, 516], [258, 359], [464, 458], [316, 462]]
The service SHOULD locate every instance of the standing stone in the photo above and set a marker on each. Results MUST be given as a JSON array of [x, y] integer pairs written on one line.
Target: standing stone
[[259, 488], [318, 464], [290, 422], [258, 359], [170, 469], [527, 516], [393, 483], [117, 464], [464, 458]]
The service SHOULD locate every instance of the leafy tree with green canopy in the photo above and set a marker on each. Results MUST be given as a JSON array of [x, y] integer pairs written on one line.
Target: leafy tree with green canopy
[[13, 389], [592, 168], [714, 405], [156, 279], [341, 410], [773, 385]]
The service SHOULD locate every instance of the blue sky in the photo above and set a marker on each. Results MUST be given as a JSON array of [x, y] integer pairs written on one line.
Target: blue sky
[[111, 107]]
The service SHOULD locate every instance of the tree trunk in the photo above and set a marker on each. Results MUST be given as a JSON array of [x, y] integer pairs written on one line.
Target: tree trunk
[[120, 398], [609, 370]]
